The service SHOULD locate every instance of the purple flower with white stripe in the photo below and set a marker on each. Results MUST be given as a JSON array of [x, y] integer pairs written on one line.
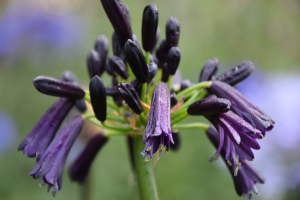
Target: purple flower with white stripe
[[157, 135], [247, 177], [243, 107], [51, 164]]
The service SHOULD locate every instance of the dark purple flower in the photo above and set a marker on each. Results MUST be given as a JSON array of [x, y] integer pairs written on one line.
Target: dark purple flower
[[243, 107], [209, 70], [55, 87], [37, 141], [131, 97], [82, 164], [69, 76], [237, 74], [247, 176], [209, 106], [149, 26], [51, 164], [119, 18], [157, 135]]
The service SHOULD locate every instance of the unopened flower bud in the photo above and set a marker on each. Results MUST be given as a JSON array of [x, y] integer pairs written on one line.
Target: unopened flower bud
[[101, 46], [137, 61], [149, 26], [165, 74], [172, 32], [173, 60], [136, 84], [209, 70], [98, 98], [152, 71], [118, 98], [177, 141], [155, 40], [185, 84], [109, 70], [93, 64], [131, 97], [119, 18], [118, 49], [209, 106], [153, 59], [112, 90], [118, 66], [174, 99], [237, 74], [55, 87], [162, 51]]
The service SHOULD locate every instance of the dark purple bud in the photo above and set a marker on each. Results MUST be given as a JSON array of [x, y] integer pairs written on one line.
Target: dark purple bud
[[109, 70], [153, 59], [51, 164], [93, 63], [155, 40], [209, 70], [158, 135], [131, 97], [68, 76], [119, 18], [118, 66], [39, 138], [165, 73], [162, 51], [172, 32], [152, 71], [177, 141], [55, 87], [137, 61], [101, 46], [136, 40], [118, 49], [209, 106], [136, 84], [127, 11], [117, 99], [149, 26], [185, 84], [80, 168], [98, 98], [173, 60], [174, 99], [112, 90], [237, 74]]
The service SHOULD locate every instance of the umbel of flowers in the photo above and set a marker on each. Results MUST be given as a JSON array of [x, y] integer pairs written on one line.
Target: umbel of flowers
[[142, 104]]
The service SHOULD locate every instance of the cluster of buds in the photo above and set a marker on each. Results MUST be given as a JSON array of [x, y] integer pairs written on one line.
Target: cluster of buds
[[142, 103]]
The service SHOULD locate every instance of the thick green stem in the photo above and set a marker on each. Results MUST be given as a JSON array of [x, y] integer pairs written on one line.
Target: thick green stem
[[170, 82], [196, 86], [191, 126], [147, 57], [144, 172]]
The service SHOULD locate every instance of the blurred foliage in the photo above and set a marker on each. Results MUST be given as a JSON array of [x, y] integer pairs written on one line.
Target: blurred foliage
[[265, 32]]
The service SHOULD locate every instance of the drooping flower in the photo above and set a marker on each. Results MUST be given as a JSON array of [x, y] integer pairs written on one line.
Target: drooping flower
[[55, 87], [39, 138], [51, 164], [157, 135], [82, 164], [243, 107], [247, 177]]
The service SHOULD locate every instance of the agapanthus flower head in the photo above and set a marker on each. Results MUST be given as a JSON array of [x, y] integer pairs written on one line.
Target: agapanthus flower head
[[209, 69], [55, 87], [98, 98], [69, 76], [173, 60], [158, 135], [118, 65], [94, 64], [237, 74], [101, 46], [119, 18], [51, 164], [149, 26], [131, 97], [136, 60], [172, 32], [80, 168], [243, 107], [247, 176], [39, 138]]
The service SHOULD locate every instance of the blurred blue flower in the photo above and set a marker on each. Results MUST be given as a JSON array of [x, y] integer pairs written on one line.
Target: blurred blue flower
[[8, 132]]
